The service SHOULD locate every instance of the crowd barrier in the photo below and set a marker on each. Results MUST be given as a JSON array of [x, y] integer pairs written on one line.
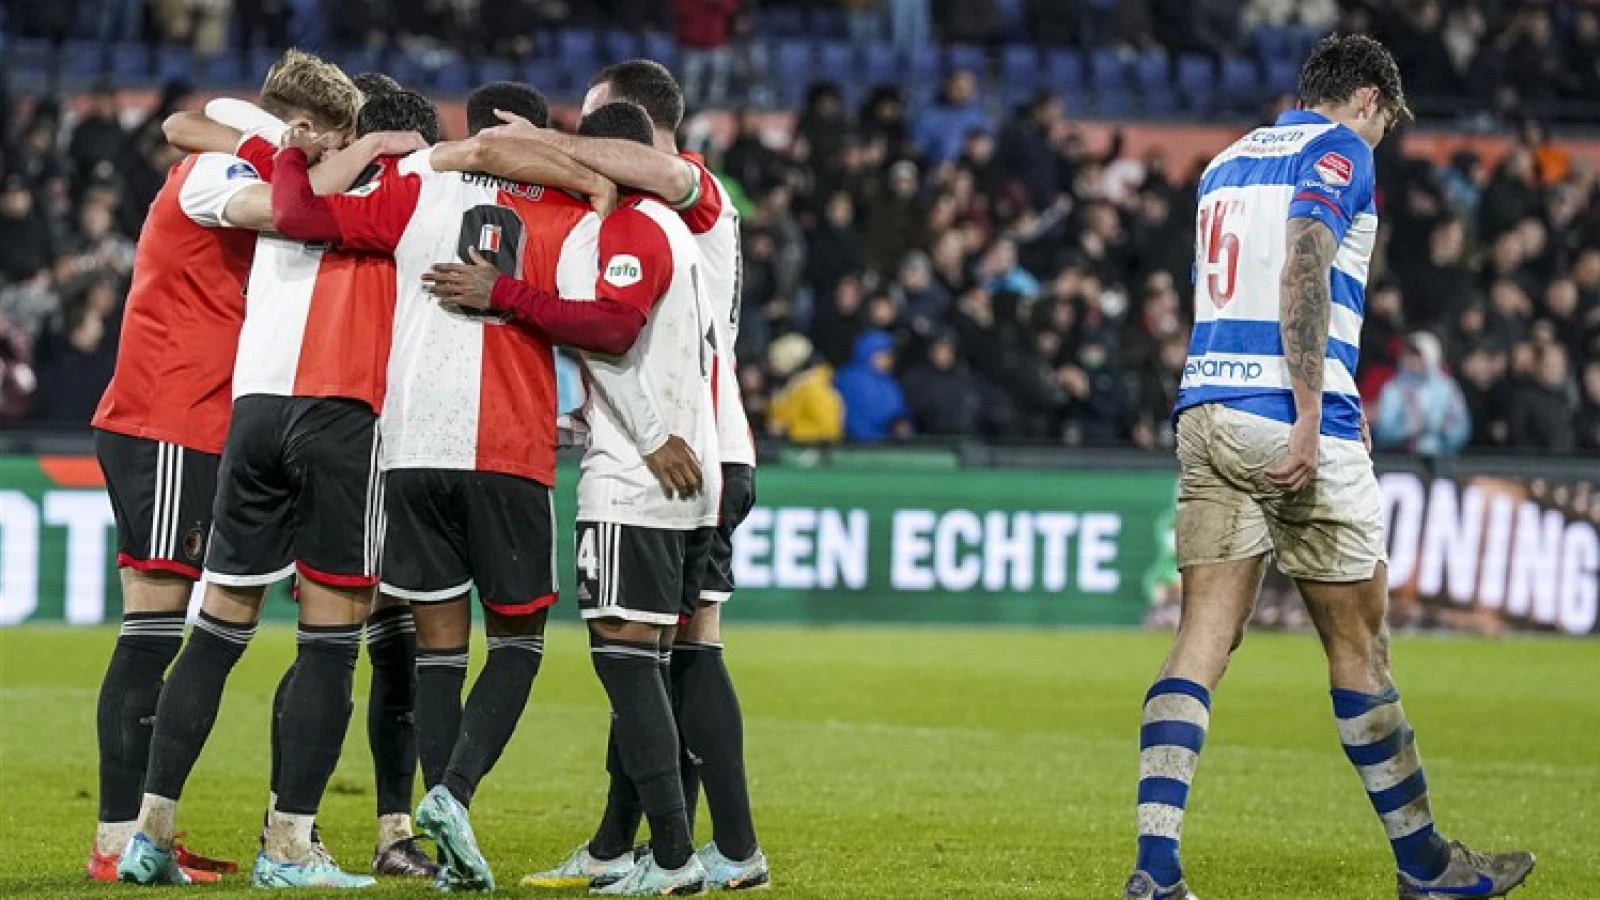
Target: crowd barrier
[[1083, 540]]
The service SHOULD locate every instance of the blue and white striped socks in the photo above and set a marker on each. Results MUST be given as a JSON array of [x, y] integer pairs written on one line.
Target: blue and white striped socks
[[1383, 748], [1177, 713]]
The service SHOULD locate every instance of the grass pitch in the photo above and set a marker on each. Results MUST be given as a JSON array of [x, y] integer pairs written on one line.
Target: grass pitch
[[910, 764]]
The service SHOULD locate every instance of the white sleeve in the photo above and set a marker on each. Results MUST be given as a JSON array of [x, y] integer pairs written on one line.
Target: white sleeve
[[211, 183], [617, 379], [248, 118]]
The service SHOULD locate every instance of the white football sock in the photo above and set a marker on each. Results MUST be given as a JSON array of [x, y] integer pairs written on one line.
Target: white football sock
[[158, 820], [111, 838], [393, 828], [288, 836]]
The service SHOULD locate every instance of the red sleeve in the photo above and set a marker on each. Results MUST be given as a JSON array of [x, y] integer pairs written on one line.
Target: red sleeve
[[371, 218], [702, 215], [599, 326], [635, 260], [258, 152]]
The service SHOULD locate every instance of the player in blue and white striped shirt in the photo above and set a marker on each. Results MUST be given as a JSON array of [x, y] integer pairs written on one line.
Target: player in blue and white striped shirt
[[1273, 451]]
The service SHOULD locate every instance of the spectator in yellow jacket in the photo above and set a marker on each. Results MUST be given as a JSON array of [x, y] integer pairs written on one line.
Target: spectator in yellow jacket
[[807, 409]]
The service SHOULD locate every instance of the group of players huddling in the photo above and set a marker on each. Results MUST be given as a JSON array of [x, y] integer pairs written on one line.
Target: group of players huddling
[[337, 367]]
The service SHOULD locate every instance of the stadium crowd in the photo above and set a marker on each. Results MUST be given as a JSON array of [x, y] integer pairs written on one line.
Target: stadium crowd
[[939, 270]]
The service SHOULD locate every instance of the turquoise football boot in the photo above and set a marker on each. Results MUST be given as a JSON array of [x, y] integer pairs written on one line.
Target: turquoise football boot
[[442, 817], [144, 863], [317, 870], [724, 874]]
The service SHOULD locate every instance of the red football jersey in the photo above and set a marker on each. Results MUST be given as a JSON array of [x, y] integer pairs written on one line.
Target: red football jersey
[[181, 326]]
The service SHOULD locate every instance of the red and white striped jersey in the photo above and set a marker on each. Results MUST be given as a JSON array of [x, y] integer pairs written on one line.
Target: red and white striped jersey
[[466, 390], [714, 222], [184, 310], [644, 255], [319, 319]]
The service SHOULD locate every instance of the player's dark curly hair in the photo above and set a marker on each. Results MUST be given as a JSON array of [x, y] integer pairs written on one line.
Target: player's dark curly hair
[[648, 84], [400, 110], [1343, 64], [513, 97], [372, 84], [619, 119]]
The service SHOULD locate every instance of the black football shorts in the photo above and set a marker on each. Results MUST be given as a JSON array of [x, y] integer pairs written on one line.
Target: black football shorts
[[452, 530], [738, 498], [161, 497], [649, 575], [299, 489]]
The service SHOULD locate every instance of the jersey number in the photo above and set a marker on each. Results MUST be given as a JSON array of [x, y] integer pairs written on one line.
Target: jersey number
[[496, 233], [588, 562], [1219, 250]]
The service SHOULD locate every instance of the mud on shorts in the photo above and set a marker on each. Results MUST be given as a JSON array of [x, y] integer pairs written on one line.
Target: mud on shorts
[[1332, 530]]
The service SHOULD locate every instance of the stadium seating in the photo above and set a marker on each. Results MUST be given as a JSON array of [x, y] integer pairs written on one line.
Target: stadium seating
[[1241, 83], [1019, 73], [793, 69], [1152, 72], [969, 57], [1108, 76], [1197, 83]]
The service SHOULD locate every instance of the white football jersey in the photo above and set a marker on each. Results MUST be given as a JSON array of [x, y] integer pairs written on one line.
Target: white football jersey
[[643, 254]]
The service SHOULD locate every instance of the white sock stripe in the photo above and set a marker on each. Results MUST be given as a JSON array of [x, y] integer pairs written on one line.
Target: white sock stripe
[[1372, 726], [352, 637], [1392, 771], [696, 645], [157, 628], [238, 634], [451, 661], [1168, 761], [1408, 819], [532, 645], [391, 627], [1177, 708], [615, 650], [1160, 820]]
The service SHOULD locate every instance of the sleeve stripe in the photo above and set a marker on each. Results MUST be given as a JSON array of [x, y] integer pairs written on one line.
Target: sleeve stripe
[[1318, 198], [693, 197]]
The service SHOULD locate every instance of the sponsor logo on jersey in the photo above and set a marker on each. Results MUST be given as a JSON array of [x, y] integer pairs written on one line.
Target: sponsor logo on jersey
[[241, 169], [624, 270], [362, 190], [1229, 369], [1335, 169]]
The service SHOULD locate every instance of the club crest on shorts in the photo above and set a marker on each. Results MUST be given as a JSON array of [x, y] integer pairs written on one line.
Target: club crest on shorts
[[194, 542], [1335, 169]]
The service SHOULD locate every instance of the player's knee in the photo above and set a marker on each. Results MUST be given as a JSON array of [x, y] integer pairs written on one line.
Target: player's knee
[[623, 630], [498, 624], [704, 627], [322, 604], [443, 625], [155, 592], [233, 604]]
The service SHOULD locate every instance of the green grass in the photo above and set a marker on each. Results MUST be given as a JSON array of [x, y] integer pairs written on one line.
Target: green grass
[[913, 764]]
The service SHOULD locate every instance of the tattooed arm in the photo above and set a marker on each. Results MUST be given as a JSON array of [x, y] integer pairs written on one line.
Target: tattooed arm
[[1305, 305]]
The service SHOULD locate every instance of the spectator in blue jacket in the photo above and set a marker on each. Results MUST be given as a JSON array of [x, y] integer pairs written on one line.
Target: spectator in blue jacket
[[1421, 410], [874, 406], [943, 127]]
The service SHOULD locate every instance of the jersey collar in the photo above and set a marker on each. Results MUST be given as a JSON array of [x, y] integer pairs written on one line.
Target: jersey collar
[[1302, 117]]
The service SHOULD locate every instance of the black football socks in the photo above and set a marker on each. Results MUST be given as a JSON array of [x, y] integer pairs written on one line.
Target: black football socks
[[189, 702], [316, 714], [391, 730], [647, 741], [493, 709], [125, 718], [441, 673], [712, 726]]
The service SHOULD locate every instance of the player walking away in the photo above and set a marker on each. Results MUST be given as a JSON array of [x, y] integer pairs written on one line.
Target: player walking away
[[1274, 455], [469, 437], [160, 430], [704, 699]]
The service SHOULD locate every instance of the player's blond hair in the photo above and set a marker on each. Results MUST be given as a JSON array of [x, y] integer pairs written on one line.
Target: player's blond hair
[[303, 83]]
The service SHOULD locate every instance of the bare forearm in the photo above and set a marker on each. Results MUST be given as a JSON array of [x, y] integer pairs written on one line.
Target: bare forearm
[[522, 159], [631, 164], [1306, 292], [193, 132], [336, 174]]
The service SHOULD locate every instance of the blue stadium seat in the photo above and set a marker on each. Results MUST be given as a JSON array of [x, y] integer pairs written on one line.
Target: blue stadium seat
[[969, 57], [406, 69], [1274, 42], [1152, 72], [261, 59], [455, 78], [1283, 76], [363, 59], [1019, 73], [880, 64], [177, 62], [130, 62], [495, 70], [661, 48], [622, 45], [541, 73], [829, 24], [781, 22], [1107, 71], [578, 50], [1241, 82], [81, 59], [920, 78], [1197, 83], [793, 70], [838, 62], [1065, 68]]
